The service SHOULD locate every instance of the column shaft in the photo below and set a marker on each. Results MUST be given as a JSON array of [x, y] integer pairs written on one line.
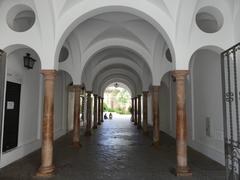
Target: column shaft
[[76, 124], [99, 110], [95, 112], [139, 113], [47, 167], [181, 125], [132, 118], [155, 108], [145, 112], [89, 115], [135, 111], [102, 109]]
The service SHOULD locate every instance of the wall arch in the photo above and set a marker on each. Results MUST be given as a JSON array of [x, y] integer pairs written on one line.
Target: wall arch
[[144, 10]]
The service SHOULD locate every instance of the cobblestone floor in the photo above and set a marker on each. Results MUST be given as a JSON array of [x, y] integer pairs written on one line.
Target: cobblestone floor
[[115, 151]]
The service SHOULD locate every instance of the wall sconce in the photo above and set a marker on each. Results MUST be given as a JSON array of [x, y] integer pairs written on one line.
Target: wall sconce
[[28, 61]]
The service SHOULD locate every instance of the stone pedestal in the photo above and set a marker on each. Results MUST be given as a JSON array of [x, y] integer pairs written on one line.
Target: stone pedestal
[[95, 121], [139, 126], [145, 113], [47, 167], [135, 111], [76, 124], [89, 115], [156, 121], [99, 110], [181, 125]]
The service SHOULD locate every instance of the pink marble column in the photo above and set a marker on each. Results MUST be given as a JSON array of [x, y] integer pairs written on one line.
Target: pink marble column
[[145, 113], [95, 111], [99, 110], [102, 100], [181, 124], [139, 126], [47, 167], [89, 115], [76, 124], [135, 111], [132, 118], [156, 121]]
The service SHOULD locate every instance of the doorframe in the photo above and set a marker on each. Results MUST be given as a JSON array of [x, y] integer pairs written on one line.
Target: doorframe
[[3, 71]]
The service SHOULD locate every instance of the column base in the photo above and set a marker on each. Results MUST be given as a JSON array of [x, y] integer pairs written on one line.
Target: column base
[[139, 127], [45, 171], [102, 121], [76, 145], [99, 123], [88, 133], [95, 127], [156, 144], [183, 171], [135, 124]]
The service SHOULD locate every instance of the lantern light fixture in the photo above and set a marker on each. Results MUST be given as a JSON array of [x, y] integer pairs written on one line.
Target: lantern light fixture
[[28, 61]]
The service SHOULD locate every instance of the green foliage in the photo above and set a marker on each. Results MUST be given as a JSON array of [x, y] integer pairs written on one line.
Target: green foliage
[[122, 98]]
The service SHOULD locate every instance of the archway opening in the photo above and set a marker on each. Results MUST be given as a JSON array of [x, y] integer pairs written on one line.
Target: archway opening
[[117, 99]]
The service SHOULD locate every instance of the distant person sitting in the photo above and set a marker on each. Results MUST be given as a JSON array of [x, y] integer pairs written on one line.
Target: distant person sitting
[[105, 116], [110, 116]]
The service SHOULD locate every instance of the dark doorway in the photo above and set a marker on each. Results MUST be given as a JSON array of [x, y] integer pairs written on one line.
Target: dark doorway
[[11, 120]]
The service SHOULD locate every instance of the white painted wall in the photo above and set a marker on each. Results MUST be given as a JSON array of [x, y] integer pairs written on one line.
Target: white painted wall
[[28, 139], [207, 103], [30, 118], [203, 100], [61, 104]]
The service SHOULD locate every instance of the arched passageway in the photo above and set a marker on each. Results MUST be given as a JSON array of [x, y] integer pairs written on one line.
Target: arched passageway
[[133, 47]]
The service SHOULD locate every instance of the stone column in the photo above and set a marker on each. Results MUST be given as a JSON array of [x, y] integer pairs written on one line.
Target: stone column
[[139, 112], [132, 118], [47, 167], [89, 115], [102, 109], [76, 124], [83, 108], [145, 113], [181, 124], [95, 111], [135, 111], [99, 110], [155, 108]]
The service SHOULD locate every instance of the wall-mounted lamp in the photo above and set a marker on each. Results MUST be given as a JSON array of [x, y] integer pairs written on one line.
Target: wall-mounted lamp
[[28, 61]]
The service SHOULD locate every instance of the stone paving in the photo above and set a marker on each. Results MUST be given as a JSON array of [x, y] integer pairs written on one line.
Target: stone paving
[[115, 151]]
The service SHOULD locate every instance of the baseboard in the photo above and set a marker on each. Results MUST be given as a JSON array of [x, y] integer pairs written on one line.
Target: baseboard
[[19, 152], [22, 151], [208, 151], [59, 133]]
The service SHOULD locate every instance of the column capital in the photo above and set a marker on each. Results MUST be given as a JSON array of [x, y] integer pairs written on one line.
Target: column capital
[[139, 96], [180, 74], [145, 93], [77, 87], [95, 95], [49, 74], [155, 88]]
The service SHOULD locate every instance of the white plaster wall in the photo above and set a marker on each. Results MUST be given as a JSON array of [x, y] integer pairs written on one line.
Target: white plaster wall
[[28, 139], [150, 121], [61, 103], [164, 108], [207, 103]]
